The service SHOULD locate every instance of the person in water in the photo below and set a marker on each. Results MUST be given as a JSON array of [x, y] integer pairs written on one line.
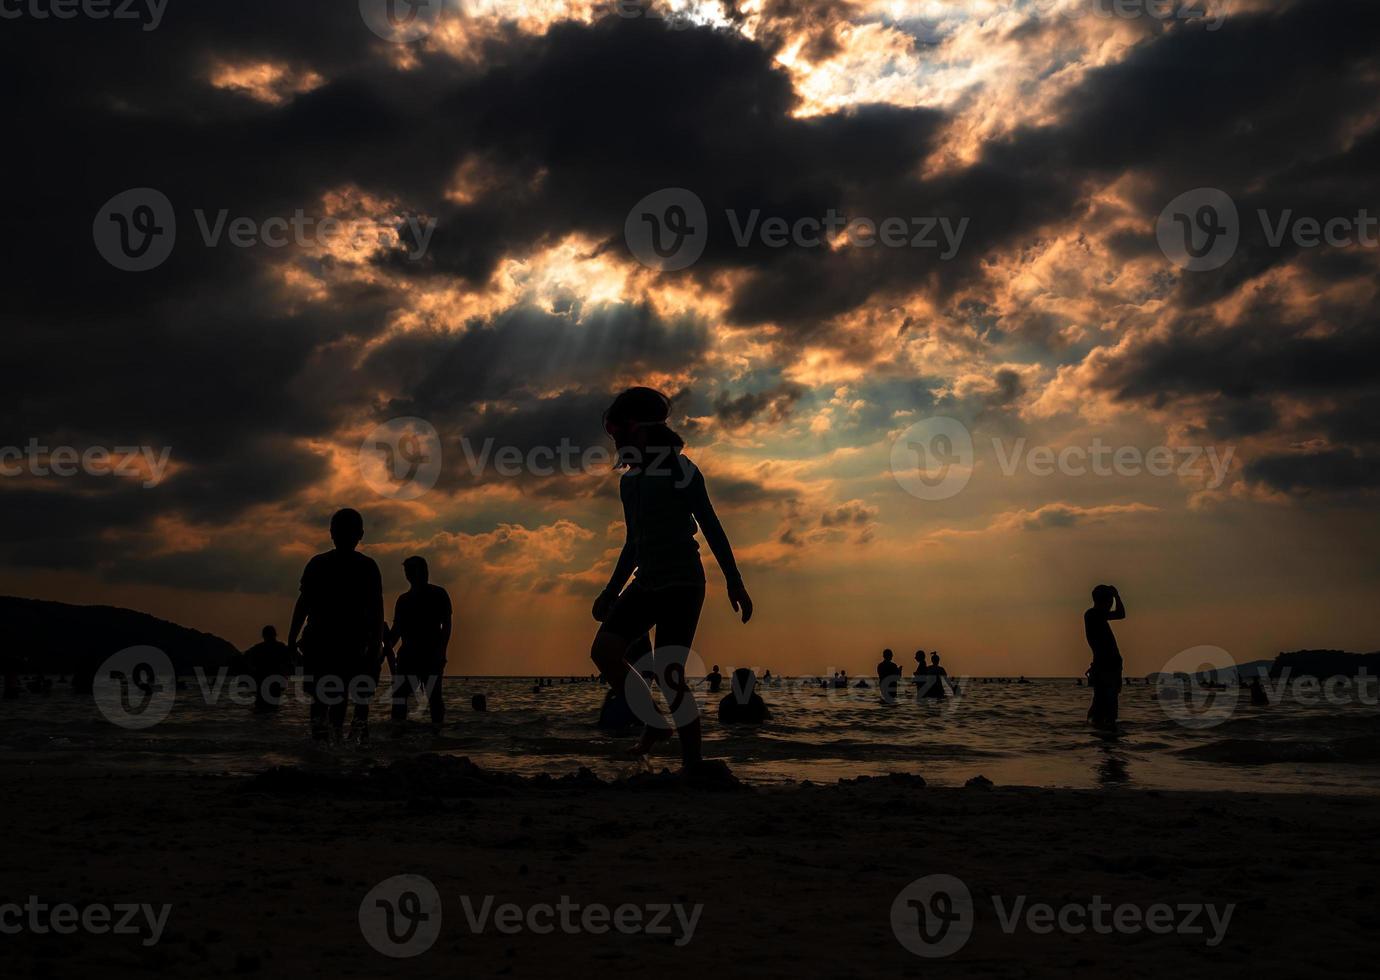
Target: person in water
[[664, 502], [1258, 696], [938, 675], [888, 675], [1104, 676], [715, 679], [270, 665], [422, 621], [929, 678], [341, 605], [743, 706]]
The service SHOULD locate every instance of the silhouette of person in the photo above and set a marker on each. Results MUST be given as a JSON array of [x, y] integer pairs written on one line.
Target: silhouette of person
[[1104, 676], [422, 621], [664, 500], [270, 664], [929, 678], [1258, 696], [938, 675], [743, 705], [888, 675], [715, 679], [341, 605]]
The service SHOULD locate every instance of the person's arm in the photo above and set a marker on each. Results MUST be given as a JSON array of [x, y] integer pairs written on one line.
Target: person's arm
[[299, 616], [1119, 612], [717, 540], [446, 619], [375, 609], [622, 570]]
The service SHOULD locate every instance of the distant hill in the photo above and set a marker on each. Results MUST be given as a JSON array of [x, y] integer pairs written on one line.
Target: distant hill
[[1299, 663], [1326, 663], [55, 637], [1230, 675]]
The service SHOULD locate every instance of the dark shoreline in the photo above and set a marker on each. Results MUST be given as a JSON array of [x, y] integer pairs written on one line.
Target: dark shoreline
[[267, 879]]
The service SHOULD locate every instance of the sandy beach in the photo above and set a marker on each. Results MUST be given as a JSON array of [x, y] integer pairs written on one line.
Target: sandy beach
[[266, 875]]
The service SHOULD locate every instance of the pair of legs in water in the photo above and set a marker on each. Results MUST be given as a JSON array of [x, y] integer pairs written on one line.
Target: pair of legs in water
[[619, 651]]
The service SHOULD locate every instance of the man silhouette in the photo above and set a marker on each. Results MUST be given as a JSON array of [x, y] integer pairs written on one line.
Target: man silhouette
[[888, 675], [715, 680], [1104, 676], [422, 620], [270, 664], [341, 603], [744, 706]]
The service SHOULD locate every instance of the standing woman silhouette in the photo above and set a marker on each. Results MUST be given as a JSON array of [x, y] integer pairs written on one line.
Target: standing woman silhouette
[[664, 502]]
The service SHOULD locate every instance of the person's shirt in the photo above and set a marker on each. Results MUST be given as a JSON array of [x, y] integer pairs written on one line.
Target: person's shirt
[[716, 681], [888, 668], [344, 596], [419, 618], [1101, 639], [269, 658], [664, 503]]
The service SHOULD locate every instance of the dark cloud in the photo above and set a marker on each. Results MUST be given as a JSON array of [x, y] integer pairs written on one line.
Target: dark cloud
[[211, 355], [773, 404]]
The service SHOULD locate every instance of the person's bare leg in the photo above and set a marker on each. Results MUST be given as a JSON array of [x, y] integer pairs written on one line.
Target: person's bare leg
[[691, 754], [609, 654]]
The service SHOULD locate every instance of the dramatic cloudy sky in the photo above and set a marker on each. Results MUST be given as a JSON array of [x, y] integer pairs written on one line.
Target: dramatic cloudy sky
[[1056, 130]]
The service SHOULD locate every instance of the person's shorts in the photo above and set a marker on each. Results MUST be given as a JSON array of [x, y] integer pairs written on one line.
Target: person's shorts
[[673, 610]]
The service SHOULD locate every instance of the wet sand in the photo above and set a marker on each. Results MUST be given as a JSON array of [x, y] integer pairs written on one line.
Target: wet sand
[[266, 876]]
